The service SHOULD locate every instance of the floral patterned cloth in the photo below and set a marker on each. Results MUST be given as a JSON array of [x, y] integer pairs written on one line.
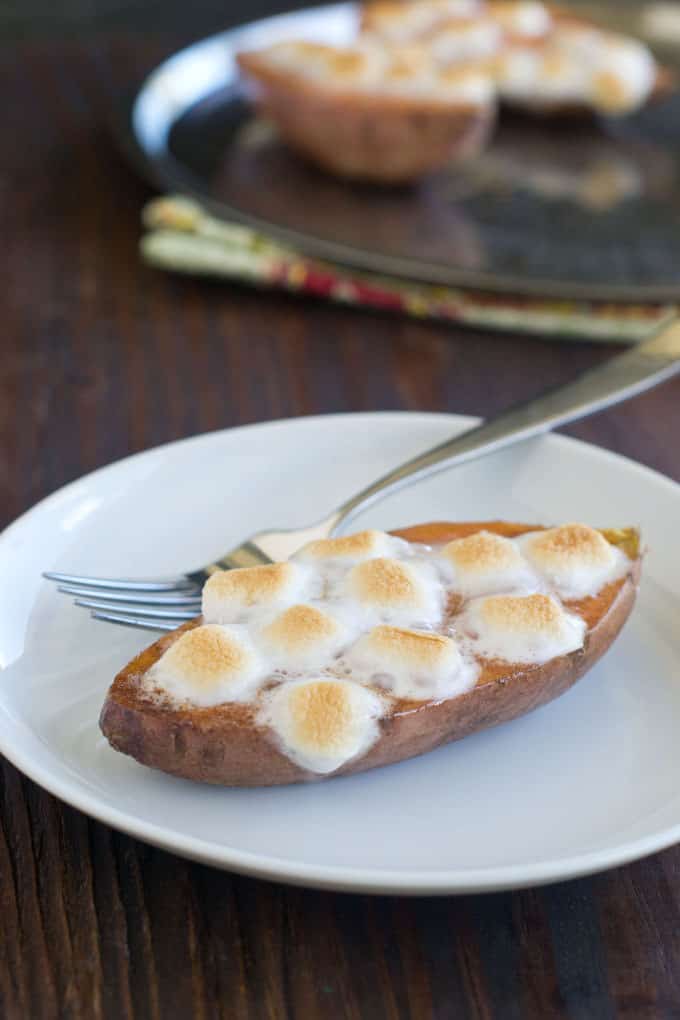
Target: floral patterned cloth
[[181, 236]]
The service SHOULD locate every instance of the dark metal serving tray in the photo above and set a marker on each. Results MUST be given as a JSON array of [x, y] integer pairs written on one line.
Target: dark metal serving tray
[[586, 208]]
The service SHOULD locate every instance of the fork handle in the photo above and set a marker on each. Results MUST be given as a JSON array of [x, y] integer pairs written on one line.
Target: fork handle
[[626, 375]]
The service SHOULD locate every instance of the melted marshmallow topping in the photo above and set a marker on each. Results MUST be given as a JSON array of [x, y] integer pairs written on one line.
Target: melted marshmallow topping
[[322, 723], [399, 22], [340, 67], [349, 549], [395, 591], [512, 49], [458, 42], [465, 31], [574, 559], [624, 76], [370, 69], [303, 637], [322, 645], [524, 19], [208, 666], [484, 562], [413, 664], [579, 65], [520, 628], [230, 596]]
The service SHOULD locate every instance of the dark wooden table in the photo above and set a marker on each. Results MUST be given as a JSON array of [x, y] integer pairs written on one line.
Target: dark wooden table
[[100, 357]]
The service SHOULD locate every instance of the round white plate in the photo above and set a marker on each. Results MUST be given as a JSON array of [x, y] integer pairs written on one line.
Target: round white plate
[[585, 783]]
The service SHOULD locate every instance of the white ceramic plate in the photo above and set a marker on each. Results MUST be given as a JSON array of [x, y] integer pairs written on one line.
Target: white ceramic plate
[[585, 783]]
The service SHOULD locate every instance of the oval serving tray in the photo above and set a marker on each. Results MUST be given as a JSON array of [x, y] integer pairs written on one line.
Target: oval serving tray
[[588, 209]]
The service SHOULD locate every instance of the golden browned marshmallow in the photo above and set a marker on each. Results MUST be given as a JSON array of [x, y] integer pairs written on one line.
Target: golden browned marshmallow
[[578, 65], [521, 19], [332, 66], [462, 42], [413, 664], [624, 76], [232, 595], [363, 545], [520, 628], [396, 591], [610, 91], [407, 65], [468, 84], [575, 559], [538, 77], [209, 665], [397, 21], [411, 72], [372, 70], [484, 562], [303, 637], [322, 723]]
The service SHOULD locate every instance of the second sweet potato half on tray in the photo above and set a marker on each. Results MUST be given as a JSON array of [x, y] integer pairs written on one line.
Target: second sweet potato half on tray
[[418, 87]]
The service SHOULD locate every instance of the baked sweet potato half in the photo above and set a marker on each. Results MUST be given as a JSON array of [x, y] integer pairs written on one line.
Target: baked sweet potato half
[[548, 62], [579, 71], [370, 114], [370, 649]]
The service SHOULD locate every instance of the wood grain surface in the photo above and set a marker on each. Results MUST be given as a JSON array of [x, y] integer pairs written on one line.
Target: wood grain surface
[[101, 357]]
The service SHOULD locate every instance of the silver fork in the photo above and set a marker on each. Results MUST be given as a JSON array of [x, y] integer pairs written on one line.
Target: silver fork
[[165, 604]]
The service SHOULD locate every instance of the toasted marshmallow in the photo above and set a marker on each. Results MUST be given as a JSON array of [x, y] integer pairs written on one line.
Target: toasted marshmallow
[[322, 723], [349, 549], [412, 74], [521, 19], [484, 563], [544, 77], [371, 69], [457, 42], [575, 559], [395, 591], [579, 65], [403, 22], [617, 71], [303, 637], [332, 66], [230, 596], [467, 85], [409, 71], [520, 628], [413, 664], [624, 76], [209, 665]]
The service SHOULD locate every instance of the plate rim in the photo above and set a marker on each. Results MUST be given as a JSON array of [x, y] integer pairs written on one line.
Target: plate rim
[[331, 877], [163, 170]]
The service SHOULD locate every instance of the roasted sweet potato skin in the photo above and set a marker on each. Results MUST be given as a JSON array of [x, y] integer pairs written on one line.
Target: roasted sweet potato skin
[[224, 745], [382, 138]]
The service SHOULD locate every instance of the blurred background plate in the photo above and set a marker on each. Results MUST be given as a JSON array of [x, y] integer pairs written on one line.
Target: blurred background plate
[[584, 209]]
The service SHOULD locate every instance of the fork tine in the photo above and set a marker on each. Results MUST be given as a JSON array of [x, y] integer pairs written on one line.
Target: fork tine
[[143, 598], [128, 620], [140, 611], [122, 583]]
